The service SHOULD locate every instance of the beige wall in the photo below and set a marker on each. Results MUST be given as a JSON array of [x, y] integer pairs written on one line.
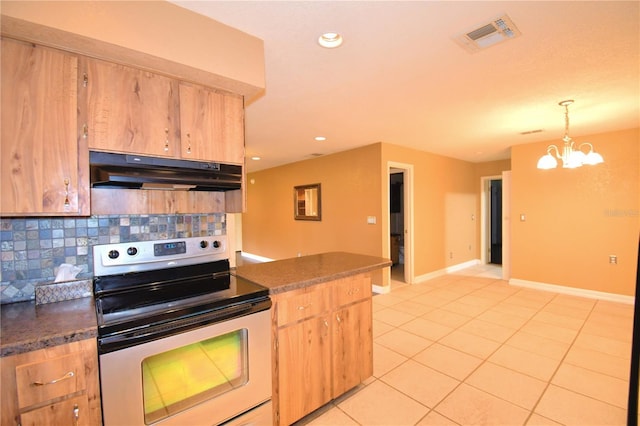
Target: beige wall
[[350, 192], [445, 198], [355, 185], [576, 218]]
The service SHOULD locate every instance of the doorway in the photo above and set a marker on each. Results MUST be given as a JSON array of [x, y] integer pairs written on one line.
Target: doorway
[[400, 224], [491, 220], [495, 209], [495, 221]]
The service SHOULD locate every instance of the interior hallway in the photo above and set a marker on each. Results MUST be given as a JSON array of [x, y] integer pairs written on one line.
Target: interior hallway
[[468, 348]]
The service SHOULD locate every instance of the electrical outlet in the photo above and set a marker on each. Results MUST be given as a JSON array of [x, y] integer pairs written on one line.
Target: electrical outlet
[[371, 220], [613, 259]]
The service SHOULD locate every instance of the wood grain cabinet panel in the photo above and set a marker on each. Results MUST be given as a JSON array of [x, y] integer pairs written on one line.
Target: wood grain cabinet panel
[[44, 168], [211, 125], [58, 385], [323, 344], [129, 110], [304, 382]]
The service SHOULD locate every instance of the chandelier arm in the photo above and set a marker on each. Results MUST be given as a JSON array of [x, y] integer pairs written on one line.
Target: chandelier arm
[[554, 148], [587, 144]]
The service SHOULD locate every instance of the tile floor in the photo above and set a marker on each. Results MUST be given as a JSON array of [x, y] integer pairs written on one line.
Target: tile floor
[[468, 348]]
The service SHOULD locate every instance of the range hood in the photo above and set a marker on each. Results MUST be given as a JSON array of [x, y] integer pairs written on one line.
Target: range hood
[[111, 170]]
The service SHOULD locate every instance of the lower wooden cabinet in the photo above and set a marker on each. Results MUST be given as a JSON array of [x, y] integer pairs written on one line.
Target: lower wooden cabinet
[[323, 345], [53, 386]]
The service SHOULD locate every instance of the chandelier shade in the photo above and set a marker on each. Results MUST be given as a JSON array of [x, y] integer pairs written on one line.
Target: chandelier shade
[[571, 154]]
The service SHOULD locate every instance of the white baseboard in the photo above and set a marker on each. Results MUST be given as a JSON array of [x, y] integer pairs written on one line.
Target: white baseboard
[[573, 291], [256, 257], [463, 265], [445, 271]]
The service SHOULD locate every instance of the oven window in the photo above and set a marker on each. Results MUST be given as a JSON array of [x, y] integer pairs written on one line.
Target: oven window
[[184, 377]]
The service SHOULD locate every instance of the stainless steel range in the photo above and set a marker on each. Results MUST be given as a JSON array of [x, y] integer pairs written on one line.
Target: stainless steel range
[[181, 340]]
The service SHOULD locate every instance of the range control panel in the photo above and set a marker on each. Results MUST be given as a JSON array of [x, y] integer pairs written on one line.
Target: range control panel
[[109, 259]]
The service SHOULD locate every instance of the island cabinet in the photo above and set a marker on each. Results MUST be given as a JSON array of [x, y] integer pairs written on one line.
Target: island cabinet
[[53, 386], [136, 111], [323, 344], [44, 163]]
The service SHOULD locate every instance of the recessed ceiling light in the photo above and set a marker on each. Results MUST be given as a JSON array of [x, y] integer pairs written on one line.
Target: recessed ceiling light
[[330, 40], [255, 158], [320, 138]]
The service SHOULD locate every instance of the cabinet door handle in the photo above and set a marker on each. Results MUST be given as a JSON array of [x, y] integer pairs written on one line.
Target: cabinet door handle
[[189, 143], [76, 414], [67, 203], [69, 375], [338, 318], [303, 307], [166, 141]]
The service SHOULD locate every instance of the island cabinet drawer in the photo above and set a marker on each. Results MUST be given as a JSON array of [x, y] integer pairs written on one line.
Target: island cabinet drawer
[[48, 379], [297, 305], [352, 289]]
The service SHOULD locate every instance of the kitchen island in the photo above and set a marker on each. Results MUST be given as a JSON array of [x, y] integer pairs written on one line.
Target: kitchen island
[[322, 334], [299, 272]]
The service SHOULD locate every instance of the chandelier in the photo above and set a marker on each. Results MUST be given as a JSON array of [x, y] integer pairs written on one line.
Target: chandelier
[[572, 155]]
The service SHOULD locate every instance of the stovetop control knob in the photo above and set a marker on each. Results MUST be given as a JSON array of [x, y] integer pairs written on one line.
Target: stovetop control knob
[[204, 244], [113, 254], [216, 244], [132, 251]]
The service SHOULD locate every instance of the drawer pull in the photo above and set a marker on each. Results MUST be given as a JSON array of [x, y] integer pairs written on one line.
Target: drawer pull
[[69, 375], [302, 308], [76, 414]]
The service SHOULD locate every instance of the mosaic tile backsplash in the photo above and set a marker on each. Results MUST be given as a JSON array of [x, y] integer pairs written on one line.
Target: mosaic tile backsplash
[[32, 248]]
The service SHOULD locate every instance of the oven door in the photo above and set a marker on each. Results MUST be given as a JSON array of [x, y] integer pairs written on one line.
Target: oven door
[[201, 377]]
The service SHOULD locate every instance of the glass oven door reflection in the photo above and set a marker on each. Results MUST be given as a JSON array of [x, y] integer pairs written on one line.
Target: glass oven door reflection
[[181, 378]]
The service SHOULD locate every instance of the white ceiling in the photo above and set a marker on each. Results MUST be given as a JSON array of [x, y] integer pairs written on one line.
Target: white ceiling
[[400, 78]]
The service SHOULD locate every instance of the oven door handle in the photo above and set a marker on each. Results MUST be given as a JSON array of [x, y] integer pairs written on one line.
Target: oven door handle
[[138, 335]]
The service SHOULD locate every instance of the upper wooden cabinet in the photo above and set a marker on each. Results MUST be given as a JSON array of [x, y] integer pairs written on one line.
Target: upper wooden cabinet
[[211, 125], [44, 164], [135, 111], [129, 110]]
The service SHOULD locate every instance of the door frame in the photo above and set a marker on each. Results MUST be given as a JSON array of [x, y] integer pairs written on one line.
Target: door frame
[[407, 178], [485, 216]]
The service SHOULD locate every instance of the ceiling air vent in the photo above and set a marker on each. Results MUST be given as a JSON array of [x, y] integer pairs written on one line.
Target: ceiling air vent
[[497, 31]]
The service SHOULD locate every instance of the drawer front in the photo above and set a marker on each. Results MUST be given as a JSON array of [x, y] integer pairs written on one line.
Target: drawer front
[[72, 411], [300, 304], [351, 289], [42, 381]]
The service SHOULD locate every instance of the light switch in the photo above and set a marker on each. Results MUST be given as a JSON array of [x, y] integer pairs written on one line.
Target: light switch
[[371, 220], [523, 217]]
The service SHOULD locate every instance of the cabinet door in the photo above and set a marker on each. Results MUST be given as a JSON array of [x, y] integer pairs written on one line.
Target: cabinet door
[[211, 125], [130, 110], [304, 381], [352, 351], [39, 145], [71, 412]]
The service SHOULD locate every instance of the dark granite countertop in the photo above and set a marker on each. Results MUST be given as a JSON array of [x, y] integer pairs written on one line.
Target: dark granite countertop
[[25, 326], [288, 274]]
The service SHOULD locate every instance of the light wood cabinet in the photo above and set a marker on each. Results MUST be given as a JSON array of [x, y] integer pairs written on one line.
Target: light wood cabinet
[[323, 344], [140, 112], [44, 163], [57, 386], [129, 110], [211, 125]]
